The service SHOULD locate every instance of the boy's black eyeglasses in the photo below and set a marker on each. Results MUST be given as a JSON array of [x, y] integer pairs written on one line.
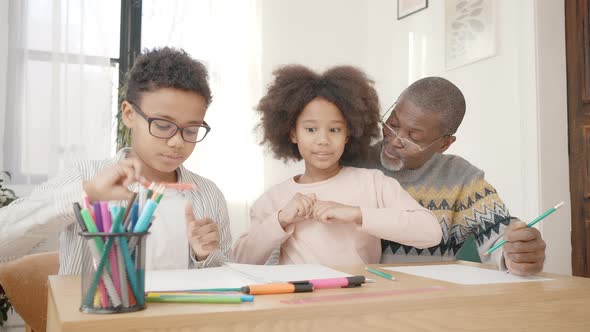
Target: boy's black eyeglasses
[[162, 128]]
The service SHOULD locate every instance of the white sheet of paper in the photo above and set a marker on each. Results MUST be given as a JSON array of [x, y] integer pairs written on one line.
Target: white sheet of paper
[[214, 277], [283, 273], [463, 274], [234, 276]]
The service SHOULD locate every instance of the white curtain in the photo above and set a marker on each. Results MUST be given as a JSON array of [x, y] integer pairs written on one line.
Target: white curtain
[[59, 85], [225, 35]]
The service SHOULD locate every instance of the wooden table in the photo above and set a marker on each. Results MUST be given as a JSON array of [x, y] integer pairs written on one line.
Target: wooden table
[[415, 303]]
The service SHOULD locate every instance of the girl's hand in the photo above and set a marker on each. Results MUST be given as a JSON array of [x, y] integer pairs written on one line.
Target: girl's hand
[[298, 209], [111, 183], [329, 212], [203, 234]]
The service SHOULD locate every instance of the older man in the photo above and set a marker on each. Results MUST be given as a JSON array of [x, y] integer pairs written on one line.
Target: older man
[[417, 129]]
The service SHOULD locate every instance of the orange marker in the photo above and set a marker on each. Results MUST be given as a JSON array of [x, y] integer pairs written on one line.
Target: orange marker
[[279, 288], [131, 296]]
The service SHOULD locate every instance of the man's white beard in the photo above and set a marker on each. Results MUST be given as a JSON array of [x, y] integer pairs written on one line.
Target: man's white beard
[[389, 165]]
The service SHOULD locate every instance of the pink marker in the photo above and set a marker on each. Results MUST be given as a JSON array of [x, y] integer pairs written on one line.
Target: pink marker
[[87, 204], [106, 226], [353, 281]]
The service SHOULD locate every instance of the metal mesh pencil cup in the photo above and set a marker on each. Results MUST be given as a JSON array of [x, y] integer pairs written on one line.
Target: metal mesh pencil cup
[[113, 272]]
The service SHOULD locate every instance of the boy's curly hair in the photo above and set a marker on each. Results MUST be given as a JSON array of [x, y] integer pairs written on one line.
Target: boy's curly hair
[[166, 68], [295, 86]]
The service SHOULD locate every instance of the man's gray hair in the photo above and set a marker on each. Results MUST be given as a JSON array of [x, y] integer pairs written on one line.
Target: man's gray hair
[[437, 94]]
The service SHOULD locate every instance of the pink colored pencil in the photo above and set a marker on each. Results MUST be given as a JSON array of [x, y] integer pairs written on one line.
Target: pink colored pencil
[[177, 186]]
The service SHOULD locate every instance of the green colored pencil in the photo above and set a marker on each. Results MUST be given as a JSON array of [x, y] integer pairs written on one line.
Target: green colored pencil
[[194, 299], [206, 290], [531, 224], [381, 274]]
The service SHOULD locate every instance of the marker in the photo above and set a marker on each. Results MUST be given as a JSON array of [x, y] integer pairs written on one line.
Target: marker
[[353, 281], [107, 227], [100, 297], [87, 205], [97, 215], [277, 288], [79, 218], [146, 215], [91, 228], [128, 216]]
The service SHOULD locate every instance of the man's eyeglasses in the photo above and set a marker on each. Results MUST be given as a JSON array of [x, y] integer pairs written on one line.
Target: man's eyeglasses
[[407, 143], [162, 128]]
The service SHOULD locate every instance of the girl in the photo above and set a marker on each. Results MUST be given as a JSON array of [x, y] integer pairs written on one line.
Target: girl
[[330, 214], [167, 95]]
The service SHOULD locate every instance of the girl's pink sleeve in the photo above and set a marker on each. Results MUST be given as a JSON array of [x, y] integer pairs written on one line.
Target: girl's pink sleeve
[[399, 217], [264, 236]]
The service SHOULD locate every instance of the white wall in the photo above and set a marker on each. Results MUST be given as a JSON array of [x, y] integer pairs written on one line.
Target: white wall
[[317, 34], [515, 128], [553, 138]]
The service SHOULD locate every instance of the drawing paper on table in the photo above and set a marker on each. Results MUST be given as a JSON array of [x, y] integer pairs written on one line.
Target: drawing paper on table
[[463, 274]]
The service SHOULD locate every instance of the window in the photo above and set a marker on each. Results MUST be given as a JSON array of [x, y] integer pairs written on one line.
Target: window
[[62, 74]]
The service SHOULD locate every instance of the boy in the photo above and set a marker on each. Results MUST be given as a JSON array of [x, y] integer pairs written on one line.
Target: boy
[[167, 95]]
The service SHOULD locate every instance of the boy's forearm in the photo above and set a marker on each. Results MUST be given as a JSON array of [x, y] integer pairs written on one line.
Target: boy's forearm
[[28, 221], [215, 258]]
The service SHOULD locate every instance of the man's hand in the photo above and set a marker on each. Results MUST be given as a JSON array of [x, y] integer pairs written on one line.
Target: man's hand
[[203, 234], [524, 250]]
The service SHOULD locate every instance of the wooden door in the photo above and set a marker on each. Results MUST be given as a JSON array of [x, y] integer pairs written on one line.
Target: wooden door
[[577, 15]]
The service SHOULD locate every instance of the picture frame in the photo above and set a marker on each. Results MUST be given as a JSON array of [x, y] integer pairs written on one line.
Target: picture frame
[[408, 7], [470, 34]]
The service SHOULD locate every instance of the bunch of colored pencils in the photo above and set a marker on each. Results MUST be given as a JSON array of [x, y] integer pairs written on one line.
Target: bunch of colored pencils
[[114, 233]]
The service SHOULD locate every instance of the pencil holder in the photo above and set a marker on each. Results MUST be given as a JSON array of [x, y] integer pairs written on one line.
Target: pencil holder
[[113, 273]]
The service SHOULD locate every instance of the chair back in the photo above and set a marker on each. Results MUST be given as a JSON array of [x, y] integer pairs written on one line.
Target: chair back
[[25, 282]]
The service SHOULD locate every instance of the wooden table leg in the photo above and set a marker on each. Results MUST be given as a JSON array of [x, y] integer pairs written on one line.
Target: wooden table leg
[[53, 324]]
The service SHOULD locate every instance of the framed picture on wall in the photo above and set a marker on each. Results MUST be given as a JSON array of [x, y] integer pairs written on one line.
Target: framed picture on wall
[[409, 7], [469, 31]]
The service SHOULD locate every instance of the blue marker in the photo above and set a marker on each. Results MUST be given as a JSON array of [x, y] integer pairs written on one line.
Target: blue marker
[[146, 215]]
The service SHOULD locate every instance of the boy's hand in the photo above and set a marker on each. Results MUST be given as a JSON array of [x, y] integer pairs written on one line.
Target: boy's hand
[[298, 208], [111, 183], [328, 212], [203, 234]]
